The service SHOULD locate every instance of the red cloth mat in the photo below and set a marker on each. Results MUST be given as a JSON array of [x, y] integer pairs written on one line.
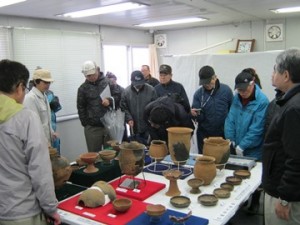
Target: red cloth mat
[[145, 189], [104, 214]]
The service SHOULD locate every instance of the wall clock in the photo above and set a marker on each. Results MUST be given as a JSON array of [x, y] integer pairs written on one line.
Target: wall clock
[[274, 32], [160, 40], [244, 46]]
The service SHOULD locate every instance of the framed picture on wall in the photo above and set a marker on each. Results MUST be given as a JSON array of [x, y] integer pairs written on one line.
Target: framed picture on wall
[[244, 46]]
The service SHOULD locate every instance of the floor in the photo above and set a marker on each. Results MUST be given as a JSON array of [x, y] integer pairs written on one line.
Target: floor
[[245, 218]]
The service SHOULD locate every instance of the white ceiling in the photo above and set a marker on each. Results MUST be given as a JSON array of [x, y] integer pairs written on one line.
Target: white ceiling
[[218, 12]]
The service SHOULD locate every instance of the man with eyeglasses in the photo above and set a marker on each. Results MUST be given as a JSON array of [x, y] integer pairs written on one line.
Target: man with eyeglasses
[[37, 101], [210, 105], [244, 125], [26, 181]]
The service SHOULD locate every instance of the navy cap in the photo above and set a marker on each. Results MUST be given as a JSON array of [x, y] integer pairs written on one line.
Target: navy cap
[[137, 78]]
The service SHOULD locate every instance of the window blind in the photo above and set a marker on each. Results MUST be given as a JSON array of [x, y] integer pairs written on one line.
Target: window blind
[[61, 52], [5, 43]]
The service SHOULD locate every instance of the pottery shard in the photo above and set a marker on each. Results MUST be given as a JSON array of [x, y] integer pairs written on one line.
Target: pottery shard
[[93, 198]]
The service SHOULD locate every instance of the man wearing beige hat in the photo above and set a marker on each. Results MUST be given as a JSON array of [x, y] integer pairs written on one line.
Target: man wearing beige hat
[[36, 100]]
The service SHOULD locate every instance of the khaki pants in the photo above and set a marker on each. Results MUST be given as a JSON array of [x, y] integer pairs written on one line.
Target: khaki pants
[[34, 220], [95, 138], [271, 217]]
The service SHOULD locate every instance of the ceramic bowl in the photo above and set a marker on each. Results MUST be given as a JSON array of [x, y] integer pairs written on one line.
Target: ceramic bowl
[[221, 193], [180, 201], [195, 183], [89, 157], [227, 186], [122, 204], [243, 174], [107, 155], [155, 210], [234, 180], [207, 200]]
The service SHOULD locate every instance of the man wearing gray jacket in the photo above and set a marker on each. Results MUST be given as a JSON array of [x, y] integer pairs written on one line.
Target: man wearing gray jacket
[[26, 181]]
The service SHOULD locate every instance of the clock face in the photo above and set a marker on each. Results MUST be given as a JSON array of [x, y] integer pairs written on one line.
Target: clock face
[[244, 46], [274, 32]]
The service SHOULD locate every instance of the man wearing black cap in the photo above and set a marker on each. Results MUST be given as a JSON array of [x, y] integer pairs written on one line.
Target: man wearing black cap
[[210, 106], [169, 87], [244, 125], [133, 101]]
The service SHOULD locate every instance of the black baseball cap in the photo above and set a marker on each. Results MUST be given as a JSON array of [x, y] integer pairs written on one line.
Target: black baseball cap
[[243, 80], [166, 69], [205, 74]]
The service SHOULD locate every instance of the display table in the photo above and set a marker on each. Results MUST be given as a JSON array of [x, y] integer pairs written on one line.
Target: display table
[[217, 215], [105, 173]]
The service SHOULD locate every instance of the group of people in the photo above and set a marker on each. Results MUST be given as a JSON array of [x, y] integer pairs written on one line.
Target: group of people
[[267, 131]]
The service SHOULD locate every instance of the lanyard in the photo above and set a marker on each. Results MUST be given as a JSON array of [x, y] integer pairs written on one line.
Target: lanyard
[[203, 103]]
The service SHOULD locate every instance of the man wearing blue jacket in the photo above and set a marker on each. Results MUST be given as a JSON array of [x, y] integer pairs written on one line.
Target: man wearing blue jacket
[[244, 125], [210, 106]]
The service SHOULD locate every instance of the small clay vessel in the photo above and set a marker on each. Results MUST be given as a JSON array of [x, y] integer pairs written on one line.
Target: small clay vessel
[[205, 169], [158, 150], [172, 176]]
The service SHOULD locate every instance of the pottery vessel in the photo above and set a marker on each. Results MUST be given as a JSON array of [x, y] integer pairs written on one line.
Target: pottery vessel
[[195, 184], [122, 204], [218, 148], [90, 158], [158, 150], [179, 143], [96, 195], [132, 158], [205, 169], [172, 176], [61, 170]]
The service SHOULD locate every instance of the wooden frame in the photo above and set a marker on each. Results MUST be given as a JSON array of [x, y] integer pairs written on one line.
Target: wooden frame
[[244, 46]]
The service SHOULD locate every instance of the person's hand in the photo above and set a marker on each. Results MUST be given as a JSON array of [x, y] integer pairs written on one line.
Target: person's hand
[[282, 212], [105, 102], [239, 151], [195, 112], [54, 135], [54, 219]]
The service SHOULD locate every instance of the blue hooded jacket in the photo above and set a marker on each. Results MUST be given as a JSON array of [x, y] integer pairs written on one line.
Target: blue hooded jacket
[[244, 125]]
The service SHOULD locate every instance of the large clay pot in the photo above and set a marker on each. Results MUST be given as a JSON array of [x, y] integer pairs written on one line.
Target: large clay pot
[[218, 148], [61, 170], [158, 150], [132, 158], [179, 143], [205, 169]]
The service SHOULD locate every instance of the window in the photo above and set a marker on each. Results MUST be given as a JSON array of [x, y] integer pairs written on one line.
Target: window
[[122, 60]]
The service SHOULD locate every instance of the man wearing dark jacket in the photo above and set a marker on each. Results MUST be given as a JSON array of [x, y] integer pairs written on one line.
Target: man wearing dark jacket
[[165, 112], [169, 87], [91, 107], [134, 99], [281, 155], [211, 104]]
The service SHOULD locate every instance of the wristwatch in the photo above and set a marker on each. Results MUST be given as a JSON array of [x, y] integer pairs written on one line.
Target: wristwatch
[[283, 202]]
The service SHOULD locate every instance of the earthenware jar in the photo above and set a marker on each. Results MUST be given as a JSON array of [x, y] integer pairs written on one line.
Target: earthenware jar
[[61, 171], [158, 150], [179, 143], [205, 169], [218, 148], [131, 158]]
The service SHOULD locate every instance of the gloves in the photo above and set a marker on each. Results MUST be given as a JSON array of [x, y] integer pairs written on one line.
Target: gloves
[[239, 151]]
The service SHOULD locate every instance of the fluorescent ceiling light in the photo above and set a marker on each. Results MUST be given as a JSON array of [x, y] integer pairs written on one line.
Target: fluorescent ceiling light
[[171, 22], [9, 2], [104, 10], [286, 10]]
